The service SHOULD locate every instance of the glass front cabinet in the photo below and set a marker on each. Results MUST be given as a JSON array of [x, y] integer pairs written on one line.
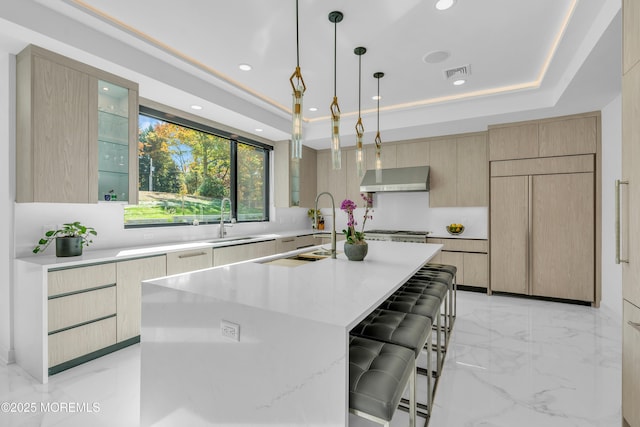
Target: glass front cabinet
[[77, 131], [115, 160]]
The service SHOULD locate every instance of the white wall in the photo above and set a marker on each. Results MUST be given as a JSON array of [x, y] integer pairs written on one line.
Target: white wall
[[611, 170], [7, 168]]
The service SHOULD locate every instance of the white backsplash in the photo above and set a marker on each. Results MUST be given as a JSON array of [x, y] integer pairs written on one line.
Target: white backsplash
[[411, 211], [407, 211]]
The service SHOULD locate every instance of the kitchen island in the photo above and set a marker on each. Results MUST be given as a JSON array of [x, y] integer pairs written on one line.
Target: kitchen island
[[259, 343]]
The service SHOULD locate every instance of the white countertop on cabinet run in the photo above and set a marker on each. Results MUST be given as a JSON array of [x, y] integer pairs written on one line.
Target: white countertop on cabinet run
[[290, 365]]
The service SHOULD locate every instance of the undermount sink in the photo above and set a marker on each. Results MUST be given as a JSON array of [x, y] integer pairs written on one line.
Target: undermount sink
[[300, 259]]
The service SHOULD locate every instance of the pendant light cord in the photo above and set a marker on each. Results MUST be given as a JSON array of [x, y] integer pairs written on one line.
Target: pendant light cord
[[359, 82], [335, 58], [378, 105], [297, 39]]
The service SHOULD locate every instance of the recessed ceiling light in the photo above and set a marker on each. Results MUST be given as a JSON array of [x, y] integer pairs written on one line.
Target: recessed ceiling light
[[313, 108], [436, 57], [245, 67], [459, 82], [376, 97], [259, 130], [444, 4], [196, 107]]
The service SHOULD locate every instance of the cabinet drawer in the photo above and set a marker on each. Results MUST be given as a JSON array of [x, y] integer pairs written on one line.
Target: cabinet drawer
[[237, 253], [286, 244], [305, 241], [82, 340], [82, 307], [631, 364], [184, 261], [81, 278], [461, 245]]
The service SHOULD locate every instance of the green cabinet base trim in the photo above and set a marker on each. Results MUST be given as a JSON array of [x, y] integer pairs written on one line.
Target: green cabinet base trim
[[96, 354]]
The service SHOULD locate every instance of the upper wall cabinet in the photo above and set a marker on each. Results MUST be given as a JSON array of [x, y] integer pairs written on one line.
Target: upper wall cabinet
[[294, 181], [76, 135], [563, 136], [630, 34], [459, 171]]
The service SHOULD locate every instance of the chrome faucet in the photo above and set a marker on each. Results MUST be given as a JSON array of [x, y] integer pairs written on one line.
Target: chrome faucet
[[333, 221], [221, 231]]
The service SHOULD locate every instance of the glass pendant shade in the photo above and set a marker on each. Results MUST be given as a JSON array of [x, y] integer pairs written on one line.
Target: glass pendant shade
[[378, 142], [336, 155], [360, 160], [296, 127]]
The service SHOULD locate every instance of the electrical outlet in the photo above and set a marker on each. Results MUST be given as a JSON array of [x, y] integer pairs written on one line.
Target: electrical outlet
[[147, 236], [230, 330]]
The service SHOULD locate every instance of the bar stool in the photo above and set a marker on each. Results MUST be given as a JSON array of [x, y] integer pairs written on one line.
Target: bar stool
[[423, 305], [379, 373], [436, 289], [407, 330], [445, 277], [453, 270]]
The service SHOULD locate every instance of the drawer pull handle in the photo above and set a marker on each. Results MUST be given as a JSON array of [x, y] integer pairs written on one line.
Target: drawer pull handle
[[634, 325], [288, 240], [191, 255]]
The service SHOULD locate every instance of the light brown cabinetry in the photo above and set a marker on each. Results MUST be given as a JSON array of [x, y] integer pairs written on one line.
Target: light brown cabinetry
[[411, 154], [543, 231], [294, 180], [469, 256], [130, 275], [459, 171], [189, 260], [561, 136], [236, 253], [80, 306], [630, 230], [58, 116], [631, 364], [332, 180]]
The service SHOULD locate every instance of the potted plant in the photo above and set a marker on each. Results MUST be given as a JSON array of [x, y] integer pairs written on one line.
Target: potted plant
[[69, 239], [355, 248], [311, 213]]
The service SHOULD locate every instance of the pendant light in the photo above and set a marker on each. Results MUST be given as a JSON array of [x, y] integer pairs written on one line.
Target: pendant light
[[298, 91], [378, 141], [335, 17], [360, 161]]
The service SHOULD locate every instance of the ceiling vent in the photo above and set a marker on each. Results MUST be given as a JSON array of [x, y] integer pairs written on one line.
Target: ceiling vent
[[458, 72]]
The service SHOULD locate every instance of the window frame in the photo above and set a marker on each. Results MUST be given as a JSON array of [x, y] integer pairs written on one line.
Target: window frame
[[234, 140]]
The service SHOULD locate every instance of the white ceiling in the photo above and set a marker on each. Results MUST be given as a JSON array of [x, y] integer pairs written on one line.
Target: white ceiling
[[528, 58]]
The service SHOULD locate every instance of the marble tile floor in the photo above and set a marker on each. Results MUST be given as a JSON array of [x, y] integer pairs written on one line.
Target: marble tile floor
[[511, 362]]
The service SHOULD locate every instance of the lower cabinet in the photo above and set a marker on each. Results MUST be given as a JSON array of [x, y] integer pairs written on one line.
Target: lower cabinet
[[631, 365], [130, 274], [470, 258], [191, 260], [80, 341], [95, 308], [236, 253]]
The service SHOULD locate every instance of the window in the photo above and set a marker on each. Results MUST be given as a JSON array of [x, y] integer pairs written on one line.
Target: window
[[187, 168]]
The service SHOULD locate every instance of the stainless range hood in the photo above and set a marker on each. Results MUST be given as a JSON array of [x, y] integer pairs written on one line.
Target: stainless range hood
[[397, 179]]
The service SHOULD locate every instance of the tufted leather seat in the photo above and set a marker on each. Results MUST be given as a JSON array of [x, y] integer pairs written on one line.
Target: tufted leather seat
[[407, 330], [378, 375], [446, 269], [423, 305]]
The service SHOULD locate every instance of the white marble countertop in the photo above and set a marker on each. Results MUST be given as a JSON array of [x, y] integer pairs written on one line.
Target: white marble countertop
[[90, 256], [335, 291]]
